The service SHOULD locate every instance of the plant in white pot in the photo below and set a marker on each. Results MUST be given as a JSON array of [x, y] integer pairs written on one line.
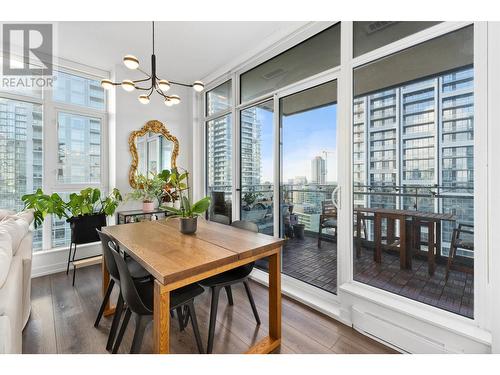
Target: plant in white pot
[[188, 212], [149, 190]]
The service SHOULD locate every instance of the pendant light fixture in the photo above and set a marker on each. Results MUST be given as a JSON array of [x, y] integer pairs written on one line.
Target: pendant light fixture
[[153, 82]]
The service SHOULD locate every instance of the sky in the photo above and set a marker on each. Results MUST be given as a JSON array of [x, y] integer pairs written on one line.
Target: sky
[[305, 136]]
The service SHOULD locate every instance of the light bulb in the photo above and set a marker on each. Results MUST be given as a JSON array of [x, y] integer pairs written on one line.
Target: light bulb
[[144, 99], [198, 86], [128, 85], [175, 99], [168, 102], [106, 84], [164, 85], [131, 62]]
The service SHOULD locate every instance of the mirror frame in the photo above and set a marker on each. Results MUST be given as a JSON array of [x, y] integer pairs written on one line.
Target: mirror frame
[[154, 126]]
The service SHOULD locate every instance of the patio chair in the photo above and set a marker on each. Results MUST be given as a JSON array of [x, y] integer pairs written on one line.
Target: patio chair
[[327, 219], [458, 242]]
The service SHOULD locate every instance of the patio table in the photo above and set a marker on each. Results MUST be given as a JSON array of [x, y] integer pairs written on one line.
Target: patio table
[[417, 219]]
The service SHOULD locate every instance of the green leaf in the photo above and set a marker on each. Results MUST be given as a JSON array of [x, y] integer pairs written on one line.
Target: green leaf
[[96, 195], [173, 210], [186, 206], [201, 206]]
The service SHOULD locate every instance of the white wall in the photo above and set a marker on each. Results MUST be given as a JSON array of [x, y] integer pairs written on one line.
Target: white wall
[[130, 115]]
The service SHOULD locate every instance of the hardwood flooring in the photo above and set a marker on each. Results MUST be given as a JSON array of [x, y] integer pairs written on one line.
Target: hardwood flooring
[[62, 320]]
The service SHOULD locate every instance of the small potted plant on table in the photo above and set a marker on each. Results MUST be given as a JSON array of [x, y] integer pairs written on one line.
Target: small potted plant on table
[[188, 212]]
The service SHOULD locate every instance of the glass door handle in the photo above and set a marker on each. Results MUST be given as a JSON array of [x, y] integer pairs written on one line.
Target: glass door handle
[[336, 197]]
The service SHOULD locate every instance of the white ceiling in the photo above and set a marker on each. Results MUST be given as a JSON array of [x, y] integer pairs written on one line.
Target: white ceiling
[[185, 51]]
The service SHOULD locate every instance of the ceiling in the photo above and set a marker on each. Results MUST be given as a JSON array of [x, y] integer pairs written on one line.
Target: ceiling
[[185, 51]]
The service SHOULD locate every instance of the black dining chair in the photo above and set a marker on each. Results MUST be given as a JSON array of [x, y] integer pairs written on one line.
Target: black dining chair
[[138, 298], [225, 280], [136, 272]]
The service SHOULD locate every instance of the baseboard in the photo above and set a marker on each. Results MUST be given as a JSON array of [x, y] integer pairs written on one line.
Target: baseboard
[[409, 327], [54, 261], [318, 299]]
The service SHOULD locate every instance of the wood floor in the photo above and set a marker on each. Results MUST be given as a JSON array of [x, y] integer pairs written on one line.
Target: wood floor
[[62, 320]]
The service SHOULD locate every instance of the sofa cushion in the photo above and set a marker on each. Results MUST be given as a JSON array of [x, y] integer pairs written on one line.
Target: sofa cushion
[[4, 213], [26, 215], [5, 335], [17, 230], [5, 255]]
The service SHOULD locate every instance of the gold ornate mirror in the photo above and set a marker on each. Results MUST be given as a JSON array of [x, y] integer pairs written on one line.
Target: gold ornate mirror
[[153, 149]]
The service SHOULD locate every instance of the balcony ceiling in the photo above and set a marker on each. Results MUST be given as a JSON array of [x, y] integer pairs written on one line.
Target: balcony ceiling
[[185, 51]]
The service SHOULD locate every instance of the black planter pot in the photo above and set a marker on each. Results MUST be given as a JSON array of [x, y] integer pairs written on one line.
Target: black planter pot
[[83, 228], [188, 225]]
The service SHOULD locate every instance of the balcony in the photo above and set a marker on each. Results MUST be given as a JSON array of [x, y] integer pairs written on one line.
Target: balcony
[[304, 260]]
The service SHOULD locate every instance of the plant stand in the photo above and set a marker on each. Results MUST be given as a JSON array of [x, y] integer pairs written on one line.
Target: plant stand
[[83, 231]]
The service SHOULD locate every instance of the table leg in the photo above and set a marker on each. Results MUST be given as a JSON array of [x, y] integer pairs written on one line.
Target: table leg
[[391, 230], [377, 256], [438, 239], [273, 341], [108, 310], [358, 235], [430, 247], [402, 242], [161, 319]]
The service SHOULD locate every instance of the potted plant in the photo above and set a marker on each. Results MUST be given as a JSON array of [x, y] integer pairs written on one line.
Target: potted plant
[[188, 212], [148, 190], [173, 182], [85, 211]]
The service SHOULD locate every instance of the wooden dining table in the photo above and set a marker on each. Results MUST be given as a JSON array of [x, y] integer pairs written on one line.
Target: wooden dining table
[[175, 260]]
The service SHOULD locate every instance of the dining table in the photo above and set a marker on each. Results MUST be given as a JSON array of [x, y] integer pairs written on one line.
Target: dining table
[[175, 260]]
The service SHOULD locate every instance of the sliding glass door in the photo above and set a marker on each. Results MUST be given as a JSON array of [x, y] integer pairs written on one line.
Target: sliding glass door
[[308, 169], [413, 169]]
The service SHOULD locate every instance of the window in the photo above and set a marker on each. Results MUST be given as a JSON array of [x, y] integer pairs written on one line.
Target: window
[[79, 149], [301, 61], [309, 176], [21, 154], [79, 105], [80, 127], [256, 158], [219, 99], [219, 168], [427, 167], [72, 89], [370, 35]]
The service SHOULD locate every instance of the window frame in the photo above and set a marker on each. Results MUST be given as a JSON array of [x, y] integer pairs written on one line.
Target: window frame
[[475, 328], [51, 110]]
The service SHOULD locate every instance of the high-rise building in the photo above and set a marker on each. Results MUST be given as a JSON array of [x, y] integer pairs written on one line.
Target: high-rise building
[[318, 170], [220, 149], [21, 142], [417, 139], [251, 165]]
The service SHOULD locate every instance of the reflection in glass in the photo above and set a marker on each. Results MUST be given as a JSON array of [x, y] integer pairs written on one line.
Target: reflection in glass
[[309, 176], [219, 176], [219, 99], [370, 35], [299, 62], [257, 142], [154, 152], [413, 153]]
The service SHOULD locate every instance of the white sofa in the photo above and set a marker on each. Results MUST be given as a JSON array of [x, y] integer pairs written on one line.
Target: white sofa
[[16, 241]]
